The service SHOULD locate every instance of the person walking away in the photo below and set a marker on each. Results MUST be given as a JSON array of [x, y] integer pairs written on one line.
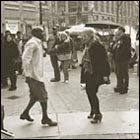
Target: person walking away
[[33, 68], [122, 57], [11, 54], [96, 70]]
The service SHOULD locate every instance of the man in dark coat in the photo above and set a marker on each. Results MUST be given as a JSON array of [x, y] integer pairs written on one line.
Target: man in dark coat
[[122, 58], [54, 59]]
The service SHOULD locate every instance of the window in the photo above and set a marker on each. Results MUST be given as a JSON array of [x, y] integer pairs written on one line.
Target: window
[[129, 8], [112, 7], [107, 6], [61, 6], [96, 5], [72, 20], [85, 5], [102, 6], [85, 8], [103, 17], [112, 19], [29, 2], [72, 6], [85, 18], [44, 2]]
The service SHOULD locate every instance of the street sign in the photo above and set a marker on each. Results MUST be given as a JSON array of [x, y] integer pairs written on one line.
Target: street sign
[[12, 27]]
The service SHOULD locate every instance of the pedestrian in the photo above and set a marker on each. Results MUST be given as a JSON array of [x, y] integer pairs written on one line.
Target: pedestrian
[[4, 82], [10, 56], [33, 68], [96, 70], [64, 54], [53, 56], [19, 45], [122, 58], [74, 57]]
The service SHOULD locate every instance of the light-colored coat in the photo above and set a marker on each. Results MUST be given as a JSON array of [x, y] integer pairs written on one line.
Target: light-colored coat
[[33, 59]]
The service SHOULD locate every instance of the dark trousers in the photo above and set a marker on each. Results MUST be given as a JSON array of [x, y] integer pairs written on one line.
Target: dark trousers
[[55, 66], [91, 90], [122, 70], [83, 76], [13, 79], [4, 81], [2, 117]]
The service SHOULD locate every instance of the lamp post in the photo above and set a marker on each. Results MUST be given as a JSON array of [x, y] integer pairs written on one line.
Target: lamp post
[[40, 12]]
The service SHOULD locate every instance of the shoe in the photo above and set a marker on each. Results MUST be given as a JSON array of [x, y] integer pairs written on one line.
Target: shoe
[[26, 117], [55, 80], [116, 89], [12, 88], [123, 92], [97, 118], [66, 81], [49, 122]]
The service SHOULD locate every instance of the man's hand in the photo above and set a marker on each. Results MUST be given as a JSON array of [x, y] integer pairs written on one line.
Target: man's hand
[[28, 79], [105, 79]]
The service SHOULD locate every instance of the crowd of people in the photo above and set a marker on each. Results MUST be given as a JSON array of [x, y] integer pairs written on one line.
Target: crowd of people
[[61, 46]]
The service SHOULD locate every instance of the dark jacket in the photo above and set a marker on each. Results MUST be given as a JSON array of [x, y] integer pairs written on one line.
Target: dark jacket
[[99, 61], [10, 53], [123, 51], [64, 47]]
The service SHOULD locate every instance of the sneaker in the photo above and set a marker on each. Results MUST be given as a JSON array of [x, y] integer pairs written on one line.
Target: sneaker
[[66, 81]]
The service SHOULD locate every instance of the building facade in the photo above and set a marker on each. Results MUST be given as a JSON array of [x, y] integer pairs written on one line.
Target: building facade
[[16, 15], [73, 12]]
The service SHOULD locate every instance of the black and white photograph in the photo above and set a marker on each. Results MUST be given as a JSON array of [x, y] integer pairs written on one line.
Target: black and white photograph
[[69, 69]]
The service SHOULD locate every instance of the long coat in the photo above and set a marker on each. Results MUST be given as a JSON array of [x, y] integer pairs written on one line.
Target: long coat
[[9, 53], [99, 62]]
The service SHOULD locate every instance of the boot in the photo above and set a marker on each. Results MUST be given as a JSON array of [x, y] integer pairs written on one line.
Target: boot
[[97, 118], [26, 116], [45, 118]]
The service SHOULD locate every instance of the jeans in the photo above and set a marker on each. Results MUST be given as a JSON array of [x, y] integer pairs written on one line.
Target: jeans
[[91, 90], [55, 66], [65, 67]]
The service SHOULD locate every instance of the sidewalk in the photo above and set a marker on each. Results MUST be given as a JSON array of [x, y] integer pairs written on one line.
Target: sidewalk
[[69, 106], [121, 124]]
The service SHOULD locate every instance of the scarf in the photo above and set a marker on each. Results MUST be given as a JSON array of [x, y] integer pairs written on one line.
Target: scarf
[[86, 61]]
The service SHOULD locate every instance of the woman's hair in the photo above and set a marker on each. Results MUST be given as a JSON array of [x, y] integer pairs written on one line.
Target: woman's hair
[[64, 34], [91, 33], [8, 35]]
